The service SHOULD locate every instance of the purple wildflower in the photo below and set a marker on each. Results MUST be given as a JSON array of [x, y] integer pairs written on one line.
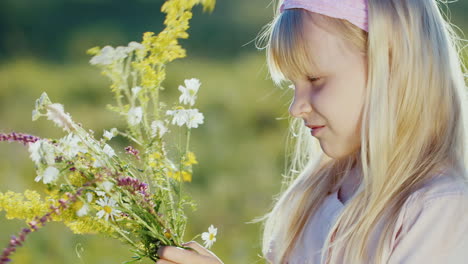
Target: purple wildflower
[[133, 151], [136, 186], [19, 137], [133, 184]]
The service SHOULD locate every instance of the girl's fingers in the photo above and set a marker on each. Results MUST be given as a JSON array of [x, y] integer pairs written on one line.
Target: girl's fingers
[[178, 255], [200, 249], [182, 256], [162, 261]]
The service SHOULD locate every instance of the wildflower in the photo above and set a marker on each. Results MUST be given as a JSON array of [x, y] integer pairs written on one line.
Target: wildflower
[[23, 138], [56, 113], [155, 159], [42, 101], [107, 186], [158, 128], [49, 175], [109, 55], [100, 193], [89, 197], [131, 150], [191, 117], [167, 233], [134, 115], [71, 145], [133, 184], [135, 91], [120, 53], [35, 151], [210, 236], [190, 159], [108, 135], [189, 92], [179, 117], [180, 176], [108, 150], [194, 118], [84, 209], [41, 152], [133, 45], [98, 164], [108, 208]]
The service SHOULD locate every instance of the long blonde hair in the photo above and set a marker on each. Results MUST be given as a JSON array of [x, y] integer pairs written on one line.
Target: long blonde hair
[[414, 124]]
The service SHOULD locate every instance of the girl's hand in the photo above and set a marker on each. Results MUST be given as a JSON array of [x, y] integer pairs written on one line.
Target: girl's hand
[[175, 255]]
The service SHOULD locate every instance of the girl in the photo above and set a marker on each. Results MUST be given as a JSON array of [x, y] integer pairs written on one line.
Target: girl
[[378, 84]]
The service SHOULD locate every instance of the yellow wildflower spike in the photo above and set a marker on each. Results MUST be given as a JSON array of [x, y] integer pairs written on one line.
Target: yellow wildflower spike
[[191, 159], [186, 176]]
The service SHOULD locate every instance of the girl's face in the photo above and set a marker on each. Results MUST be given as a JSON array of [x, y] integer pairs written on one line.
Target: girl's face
[[332, 95]]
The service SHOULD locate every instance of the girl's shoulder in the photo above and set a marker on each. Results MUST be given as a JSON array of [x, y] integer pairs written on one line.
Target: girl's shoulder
[[444, 185], [433, 225]]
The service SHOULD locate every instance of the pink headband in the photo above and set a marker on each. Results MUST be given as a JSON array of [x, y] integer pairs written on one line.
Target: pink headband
[[355, 11]]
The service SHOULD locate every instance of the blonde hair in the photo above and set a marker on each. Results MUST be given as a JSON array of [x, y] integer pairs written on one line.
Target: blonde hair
[[414, 124]]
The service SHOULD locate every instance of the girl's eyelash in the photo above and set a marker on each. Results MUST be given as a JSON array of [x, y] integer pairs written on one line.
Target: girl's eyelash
[[313, 79]]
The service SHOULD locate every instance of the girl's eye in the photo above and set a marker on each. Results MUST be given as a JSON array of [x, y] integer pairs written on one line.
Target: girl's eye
[[313, 79]]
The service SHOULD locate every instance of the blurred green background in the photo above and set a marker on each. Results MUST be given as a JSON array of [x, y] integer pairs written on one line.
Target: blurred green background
[[240, 148]]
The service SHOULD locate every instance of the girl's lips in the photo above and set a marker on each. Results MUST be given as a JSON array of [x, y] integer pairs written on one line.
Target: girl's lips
[[316, 130]]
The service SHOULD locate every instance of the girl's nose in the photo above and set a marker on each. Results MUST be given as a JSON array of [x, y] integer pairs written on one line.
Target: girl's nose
[[300, 107]]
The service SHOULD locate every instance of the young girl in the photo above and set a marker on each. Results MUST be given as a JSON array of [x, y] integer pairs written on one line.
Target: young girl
[[378, 84]]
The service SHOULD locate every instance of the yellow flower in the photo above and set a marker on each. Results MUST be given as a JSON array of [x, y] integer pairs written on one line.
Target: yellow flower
[[76, 178], [155, 159], [89, 225], [190, 159], [167, 234], [185, 175], [23, 206]]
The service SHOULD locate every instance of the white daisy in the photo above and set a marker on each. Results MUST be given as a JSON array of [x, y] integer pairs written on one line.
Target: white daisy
[[108, 135], [34, 150], [135, 115], [41, 152], [71, 145], [194, 118], [179, 117], [189, 92], [158, 128], [108, 208], [210, 236], [191, 117], [48, 175]]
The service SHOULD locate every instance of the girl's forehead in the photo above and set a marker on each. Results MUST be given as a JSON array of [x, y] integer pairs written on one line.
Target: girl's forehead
[[324, 46]]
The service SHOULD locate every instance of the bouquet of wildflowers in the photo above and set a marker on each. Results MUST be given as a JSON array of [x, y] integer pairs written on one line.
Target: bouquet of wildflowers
[[135, 197]]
